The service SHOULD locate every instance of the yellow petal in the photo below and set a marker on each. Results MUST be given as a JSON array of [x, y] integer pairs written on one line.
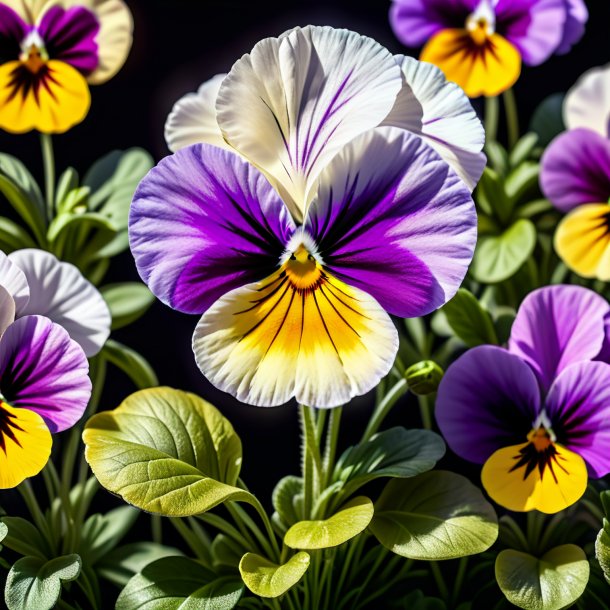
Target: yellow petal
[[487, 69], [57, 102], [25, 445], [582, 240], [562, 482]]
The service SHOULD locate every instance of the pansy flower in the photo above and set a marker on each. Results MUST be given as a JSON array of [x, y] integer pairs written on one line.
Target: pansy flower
[[49, 54], [536, 415], [297, 248], [575, 176], [480, 44]]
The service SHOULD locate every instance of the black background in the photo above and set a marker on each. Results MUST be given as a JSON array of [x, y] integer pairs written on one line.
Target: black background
[[179, 44]]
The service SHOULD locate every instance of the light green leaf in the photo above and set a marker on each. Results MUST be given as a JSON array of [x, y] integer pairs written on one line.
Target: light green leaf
[[523, 149], [491, 196], [133, 364], [287, 499], [3, 531], [602, 550], [436, 515], [470, 321], [24, 538], [67, 182], [227, 552], [36, 583], [268, 579], [166, 452], [499, 257], [351, 520], [178, 583], [396, 452], [127, 302], [553, 582], [523, 180], [547, 120], [13, 237]]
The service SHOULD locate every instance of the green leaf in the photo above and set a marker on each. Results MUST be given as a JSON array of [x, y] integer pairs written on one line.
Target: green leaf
[[166, 452], [66, 183], [523, 149], [553, 582], [602, 549], [133, 364], [351, 520], [499, 257], [498, 157], [470, 321], [176, 583], [24, 538], [522, 181], [268, 579], [36, 583], [13, 237], [436, 515], [547, 120], [491, 196], [396, 453], [287, 499], [417, 601], [127, 302]]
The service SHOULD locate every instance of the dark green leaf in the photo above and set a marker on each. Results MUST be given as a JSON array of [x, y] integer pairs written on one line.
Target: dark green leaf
[[134, 365], [547, 121], [127, 302], [469, 320]]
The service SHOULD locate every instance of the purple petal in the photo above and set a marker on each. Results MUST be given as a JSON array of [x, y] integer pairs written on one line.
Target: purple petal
[[393, 219], [574, 27], [203, 222], [535, 27], [43, 370], [578, 405], [12, 32], [576, 169], [415, 21], [488, 399], [70, 36], [557, 326]]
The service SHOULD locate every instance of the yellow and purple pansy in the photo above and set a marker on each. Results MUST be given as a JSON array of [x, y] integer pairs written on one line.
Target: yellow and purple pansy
[[296, 227], [536, 415], [480, 44], [50, 51]]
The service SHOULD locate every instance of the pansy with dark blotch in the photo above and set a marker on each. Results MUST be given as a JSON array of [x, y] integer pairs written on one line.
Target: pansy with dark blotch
[[310, 223], [49, 54], [480, 44], [536, 415]]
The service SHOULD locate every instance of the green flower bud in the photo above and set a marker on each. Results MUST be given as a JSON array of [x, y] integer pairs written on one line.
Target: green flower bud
[[423, 377]]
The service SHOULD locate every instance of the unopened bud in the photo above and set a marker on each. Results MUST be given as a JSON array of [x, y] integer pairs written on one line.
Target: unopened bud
[[424, 377]]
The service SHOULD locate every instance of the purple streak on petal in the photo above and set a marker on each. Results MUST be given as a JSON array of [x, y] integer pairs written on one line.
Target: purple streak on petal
[[203, 222], [576, 169], [557, 326], [574, 28], [392, 219], [43, 370], [488, 399], [535, 27], [70, 36], [13, 30], [415, 21], [578, 405]]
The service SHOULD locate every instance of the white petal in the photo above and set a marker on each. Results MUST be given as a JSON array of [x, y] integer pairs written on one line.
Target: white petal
[[587, 103], [59, 291], [7, 309], [193, 118], [15, 283], [440, 113], [295, 101]]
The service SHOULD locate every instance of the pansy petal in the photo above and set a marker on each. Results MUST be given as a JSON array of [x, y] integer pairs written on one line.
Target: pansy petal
[[392, 219], [574, 27], [292, 103], [578, 405], [440, 113], [535, 27], [44, 370], [13, 30], [193, 118], [59, 291], [7, 309], [561, 483], [587, 103], [14, 281], [51, 101], [582, 241], [557, 326], [269, 342], [487, 69], [25, 445], [576, 169], [487, 399], [203, 222], [415, 21]]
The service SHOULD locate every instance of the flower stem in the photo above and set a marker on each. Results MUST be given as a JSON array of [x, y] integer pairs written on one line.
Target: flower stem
[[492, 115], [48, 160], [440, 581], [330, 450], [512, 117], [383, 408], [312, 461]]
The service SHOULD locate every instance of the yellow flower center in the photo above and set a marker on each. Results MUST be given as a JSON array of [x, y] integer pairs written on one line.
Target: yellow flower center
[[479, 29], [34, 59], [302, 269], [541, 439]]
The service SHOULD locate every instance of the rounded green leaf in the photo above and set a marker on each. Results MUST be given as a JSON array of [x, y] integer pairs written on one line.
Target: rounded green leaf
[[554, 581], [178, 583], [287, 499], [267, 579], [436, 515], [127, 302], [167, 452], [499, 257], [36, 583], [602, 550], [351, 520]]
